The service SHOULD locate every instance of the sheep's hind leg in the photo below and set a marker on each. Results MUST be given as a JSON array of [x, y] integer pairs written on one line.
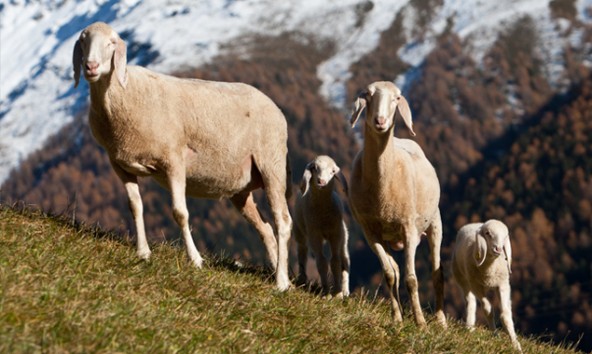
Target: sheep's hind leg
[[337, 268], [434, 233], [135, 204], [245, 203], [488, 311], [275, 189], [181, 214], [302, 255]]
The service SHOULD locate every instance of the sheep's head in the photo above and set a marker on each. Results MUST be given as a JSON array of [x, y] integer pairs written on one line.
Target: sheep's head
[[321, 170], [99, 51], [492, 240], [383, 100]]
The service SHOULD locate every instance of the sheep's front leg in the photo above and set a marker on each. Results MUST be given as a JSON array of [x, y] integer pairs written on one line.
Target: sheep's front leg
[[137, 209], [506, 314], [316, 242], [391, 273], [181, 214], [411, 243], [471, 309]]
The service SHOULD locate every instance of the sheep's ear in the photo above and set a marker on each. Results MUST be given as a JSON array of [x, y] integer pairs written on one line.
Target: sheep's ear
[[480, 251], [359, 105], [77, 62], [508, 253], [305, 183], [343, 181], [405, 113], [120, 61]]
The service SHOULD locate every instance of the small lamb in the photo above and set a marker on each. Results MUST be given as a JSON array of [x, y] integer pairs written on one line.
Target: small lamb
[[318, 218], [481, 262]]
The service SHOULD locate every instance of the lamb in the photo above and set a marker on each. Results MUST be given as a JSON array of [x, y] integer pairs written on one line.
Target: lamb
[[478, 266], [394, 195], [318, 216], [198, 138]]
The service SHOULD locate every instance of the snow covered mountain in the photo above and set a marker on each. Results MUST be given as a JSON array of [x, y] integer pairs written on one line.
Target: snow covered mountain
[[37, 96]]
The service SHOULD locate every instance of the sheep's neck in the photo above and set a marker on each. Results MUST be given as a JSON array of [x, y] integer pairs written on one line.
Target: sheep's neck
[[379, 154], [101, 93], [321, 196]]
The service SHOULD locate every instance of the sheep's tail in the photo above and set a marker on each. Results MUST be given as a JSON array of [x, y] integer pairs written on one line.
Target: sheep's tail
[[288, 178]]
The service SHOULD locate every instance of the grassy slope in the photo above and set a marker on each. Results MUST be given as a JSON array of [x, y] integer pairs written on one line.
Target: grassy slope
[[73, 289]]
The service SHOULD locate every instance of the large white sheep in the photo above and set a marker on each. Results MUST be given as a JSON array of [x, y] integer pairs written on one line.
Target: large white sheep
[[318, 217], [394, 195], [481, 262], [197, 138]]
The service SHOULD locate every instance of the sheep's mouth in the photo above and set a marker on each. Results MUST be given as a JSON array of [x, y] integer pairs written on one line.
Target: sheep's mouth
[[91, 76], [381, 128], [495, 253]]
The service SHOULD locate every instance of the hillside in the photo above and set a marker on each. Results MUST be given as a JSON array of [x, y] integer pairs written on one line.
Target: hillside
[[72, 288]]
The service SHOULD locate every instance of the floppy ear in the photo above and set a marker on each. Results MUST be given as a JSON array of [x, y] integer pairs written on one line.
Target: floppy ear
[[77, 62], [359, 105], [480, 250], [305, 183], [405, 113], [508, 253], [343, 181], [120, 61]]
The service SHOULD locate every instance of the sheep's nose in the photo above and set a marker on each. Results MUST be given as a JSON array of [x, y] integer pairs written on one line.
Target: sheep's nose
[[322, 182], [92, 65], [381, 120], [497, 250]]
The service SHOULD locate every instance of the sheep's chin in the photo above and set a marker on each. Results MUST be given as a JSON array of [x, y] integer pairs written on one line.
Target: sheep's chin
[[93, 78]]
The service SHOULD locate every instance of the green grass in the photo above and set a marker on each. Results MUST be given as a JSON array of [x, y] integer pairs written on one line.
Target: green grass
[[71, 288]]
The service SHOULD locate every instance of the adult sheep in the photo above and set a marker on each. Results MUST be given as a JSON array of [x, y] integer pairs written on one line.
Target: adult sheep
[[394, 195], [198, 138]]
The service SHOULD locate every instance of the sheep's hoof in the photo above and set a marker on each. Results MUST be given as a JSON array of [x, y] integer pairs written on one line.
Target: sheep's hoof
[[441, 320], [198, 263], [144, 254], [421, 324], [196, 260], [517, 346], [283, 285]]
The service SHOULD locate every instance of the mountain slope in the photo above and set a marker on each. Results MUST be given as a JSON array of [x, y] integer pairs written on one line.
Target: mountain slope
[[69, 288]]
